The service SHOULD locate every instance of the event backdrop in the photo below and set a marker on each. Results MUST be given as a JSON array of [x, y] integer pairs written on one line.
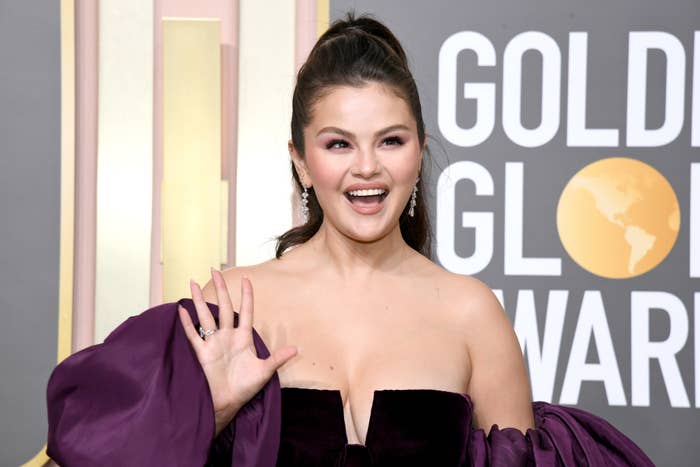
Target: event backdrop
[[30, 221], [564, 136], [564, 173]]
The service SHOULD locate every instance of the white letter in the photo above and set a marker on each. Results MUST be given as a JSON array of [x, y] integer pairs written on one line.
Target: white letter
[[513, 261], [639, 45], [577, 133], [499, 295], [481, 222], [695, 126], [542, 364], [665, 351], [592, 322], [483, 93], [694, 251], [512, 82]]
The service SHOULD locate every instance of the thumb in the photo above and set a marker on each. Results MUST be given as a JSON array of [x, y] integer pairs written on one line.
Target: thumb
[[280, 357]]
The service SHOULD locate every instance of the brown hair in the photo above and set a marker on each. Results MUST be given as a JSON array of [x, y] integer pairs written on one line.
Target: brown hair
[[352, 52]]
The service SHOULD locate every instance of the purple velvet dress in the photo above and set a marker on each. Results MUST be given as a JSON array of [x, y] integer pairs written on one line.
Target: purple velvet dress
[[141, 399]]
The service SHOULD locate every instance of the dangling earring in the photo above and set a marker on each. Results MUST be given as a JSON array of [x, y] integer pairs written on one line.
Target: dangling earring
[[413, 198], [305, 205]]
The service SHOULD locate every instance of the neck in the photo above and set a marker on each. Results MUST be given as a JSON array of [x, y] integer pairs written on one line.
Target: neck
[[354, 260]]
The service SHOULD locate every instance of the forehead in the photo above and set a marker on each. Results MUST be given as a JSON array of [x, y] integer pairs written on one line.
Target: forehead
[[370, 105]]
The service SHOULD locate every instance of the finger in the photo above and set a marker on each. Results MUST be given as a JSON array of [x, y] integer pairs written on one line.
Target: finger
[[206, 320], [245, 314], [190, 331], [280, 357], [224, 299]]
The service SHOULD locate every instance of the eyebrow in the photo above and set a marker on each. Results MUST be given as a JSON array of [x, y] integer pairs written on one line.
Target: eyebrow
[[349, 135]]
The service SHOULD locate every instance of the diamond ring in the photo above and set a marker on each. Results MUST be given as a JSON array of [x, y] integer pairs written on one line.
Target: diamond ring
[[203, 333]]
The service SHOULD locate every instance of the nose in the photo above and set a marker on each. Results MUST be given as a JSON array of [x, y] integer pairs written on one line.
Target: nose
[[366, 163]]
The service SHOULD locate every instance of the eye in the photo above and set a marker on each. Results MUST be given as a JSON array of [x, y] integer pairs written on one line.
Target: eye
[[393, 141], [337, 144]]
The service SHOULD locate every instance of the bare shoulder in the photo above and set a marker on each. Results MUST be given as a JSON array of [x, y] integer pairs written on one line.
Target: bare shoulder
[[233, 277], [471, 299], [269, 279], [479, 313], [483, 319]]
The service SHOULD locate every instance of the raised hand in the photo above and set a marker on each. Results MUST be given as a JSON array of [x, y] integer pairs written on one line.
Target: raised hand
[[227, 354]]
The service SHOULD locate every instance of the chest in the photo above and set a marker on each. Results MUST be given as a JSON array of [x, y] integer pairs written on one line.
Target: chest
[[358, 343]]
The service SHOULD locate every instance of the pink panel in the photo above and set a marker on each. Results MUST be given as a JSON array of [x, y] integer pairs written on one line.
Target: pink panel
[[227, 12], [86, 53], [305, 30], [304, 39]]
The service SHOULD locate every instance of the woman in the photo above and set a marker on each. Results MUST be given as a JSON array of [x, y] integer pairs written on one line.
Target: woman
[[401, 362]]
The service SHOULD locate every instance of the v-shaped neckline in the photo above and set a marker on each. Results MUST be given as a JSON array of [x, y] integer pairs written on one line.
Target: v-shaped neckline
[[339, 398]]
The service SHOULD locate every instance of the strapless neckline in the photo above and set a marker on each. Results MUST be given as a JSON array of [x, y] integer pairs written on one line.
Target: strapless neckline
[[337, 398]]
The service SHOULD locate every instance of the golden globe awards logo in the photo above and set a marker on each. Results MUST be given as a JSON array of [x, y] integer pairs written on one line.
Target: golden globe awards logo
[[618, 218]]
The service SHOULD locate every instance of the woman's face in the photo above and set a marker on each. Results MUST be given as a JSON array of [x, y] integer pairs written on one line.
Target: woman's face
[[361, 138]]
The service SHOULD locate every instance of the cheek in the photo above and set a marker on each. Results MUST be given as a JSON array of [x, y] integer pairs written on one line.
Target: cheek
[[403, 170], [326, 175]]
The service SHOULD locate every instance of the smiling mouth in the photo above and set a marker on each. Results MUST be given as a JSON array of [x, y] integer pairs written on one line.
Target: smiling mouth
[[367, 199]]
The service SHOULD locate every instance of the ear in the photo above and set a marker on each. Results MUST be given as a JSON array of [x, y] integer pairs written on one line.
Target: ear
[[420, 158], [299, 165]]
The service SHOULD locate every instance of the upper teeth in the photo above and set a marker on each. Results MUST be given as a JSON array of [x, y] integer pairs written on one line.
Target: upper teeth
[[371, 192]]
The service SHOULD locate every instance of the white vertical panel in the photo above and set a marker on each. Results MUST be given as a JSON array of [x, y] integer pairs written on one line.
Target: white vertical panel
[[266, 82], [125, 162], [191, 189]]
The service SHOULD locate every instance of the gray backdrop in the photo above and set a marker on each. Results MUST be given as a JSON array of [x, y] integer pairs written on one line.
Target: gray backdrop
[[29, 220], [30, 167], [663, 427]]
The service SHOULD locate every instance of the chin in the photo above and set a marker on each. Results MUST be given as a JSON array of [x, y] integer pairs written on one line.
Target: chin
[[368, 232]]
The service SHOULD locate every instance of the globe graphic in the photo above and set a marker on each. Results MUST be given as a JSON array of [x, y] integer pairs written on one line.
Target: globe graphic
[[618, 218]]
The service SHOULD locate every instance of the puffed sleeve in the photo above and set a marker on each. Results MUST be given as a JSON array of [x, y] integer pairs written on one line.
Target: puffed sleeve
[[563, 436], [141, 399]]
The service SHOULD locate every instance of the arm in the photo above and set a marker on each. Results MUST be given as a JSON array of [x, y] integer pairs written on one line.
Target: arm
[[144, 397], [499, 385], [500, 391], [140, 398]]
